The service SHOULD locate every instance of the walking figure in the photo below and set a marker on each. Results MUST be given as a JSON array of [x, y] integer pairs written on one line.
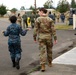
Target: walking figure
[[14, 31], [44, 30], [62, 16], [25, 20], [32, 17], [19, 19]]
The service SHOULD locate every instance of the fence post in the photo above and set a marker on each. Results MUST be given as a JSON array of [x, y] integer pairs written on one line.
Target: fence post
[[74, 21]]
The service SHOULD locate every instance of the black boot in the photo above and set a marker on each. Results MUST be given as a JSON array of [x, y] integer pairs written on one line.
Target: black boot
[[17, 65], [13, 61]]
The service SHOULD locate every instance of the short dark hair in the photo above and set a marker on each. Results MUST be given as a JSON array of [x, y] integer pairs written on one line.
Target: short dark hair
[[13, 19], [50, 12], [43, 9], [18, 14]]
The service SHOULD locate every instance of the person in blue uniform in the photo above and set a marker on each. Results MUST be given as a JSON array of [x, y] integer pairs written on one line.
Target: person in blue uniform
[[62, 16], [14, 31]]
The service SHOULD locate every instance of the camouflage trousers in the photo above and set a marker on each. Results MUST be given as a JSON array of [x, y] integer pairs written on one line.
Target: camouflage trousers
[[45, 47], [25, 25]]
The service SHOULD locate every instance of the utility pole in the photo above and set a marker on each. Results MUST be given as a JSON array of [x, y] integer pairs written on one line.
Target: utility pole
[[35, 9]]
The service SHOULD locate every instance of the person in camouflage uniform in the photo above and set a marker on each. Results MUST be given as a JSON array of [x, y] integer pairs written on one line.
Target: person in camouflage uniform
[[32, 17], [58, 16], [44, 29], [14, 43], [25, 20], [19, 19], [37, 15]]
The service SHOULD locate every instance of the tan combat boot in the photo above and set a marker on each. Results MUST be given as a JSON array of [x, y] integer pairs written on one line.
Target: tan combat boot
[[42, 67], [50, 64]]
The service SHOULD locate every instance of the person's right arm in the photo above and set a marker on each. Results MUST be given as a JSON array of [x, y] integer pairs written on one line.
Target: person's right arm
[[6, 33], [35, 29]]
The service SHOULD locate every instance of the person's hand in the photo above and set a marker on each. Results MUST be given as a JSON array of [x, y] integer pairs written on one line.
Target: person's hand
[[75, 34], [35, 41], [2, 31], [28, 28], [55, 41]]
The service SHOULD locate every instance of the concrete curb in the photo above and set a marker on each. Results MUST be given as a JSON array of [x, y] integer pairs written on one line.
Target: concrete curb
[[35, 63]]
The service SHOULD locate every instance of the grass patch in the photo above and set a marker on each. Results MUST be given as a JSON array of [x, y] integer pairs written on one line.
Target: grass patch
[[37, 68], [65, 27]]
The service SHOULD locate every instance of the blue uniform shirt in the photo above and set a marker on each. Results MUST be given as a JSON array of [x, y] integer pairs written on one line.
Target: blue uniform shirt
[[14, 31]]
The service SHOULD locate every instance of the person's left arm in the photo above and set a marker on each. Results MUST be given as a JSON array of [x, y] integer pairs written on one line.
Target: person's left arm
[[22, 32]]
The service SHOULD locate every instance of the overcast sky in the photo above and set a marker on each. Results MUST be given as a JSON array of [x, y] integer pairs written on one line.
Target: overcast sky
[[27, 3]]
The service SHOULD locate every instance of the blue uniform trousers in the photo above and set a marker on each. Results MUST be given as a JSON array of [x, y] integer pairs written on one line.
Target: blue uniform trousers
[[15, 51]]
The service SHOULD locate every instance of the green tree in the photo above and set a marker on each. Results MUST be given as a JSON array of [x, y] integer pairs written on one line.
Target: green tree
[[48, 4], [13, 10], [22, 8], [73, 4], [3, 10], [32, 8], [63, 6]]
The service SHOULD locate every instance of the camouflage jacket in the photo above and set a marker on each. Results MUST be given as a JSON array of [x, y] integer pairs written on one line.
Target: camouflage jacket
[[32, 17], [14, 31], [24, 17], [44, 28]]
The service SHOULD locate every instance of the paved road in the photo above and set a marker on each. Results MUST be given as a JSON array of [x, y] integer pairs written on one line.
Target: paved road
[[30, 49]]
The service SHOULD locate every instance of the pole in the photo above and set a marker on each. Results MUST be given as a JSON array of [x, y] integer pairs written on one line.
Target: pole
[[35, 9], [74, 21]]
